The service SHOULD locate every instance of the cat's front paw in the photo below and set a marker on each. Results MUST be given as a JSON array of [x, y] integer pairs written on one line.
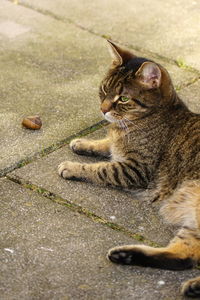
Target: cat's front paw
[[68, 170], [79, 146]]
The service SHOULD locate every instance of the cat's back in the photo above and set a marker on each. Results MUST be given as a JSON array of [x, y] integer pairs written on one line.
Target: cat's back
[[182, 155], [186, 137]]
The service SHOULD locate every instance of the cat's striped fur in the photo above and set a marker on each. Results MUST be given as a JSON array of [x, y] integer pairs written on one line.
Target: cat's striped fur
[[153, 142]]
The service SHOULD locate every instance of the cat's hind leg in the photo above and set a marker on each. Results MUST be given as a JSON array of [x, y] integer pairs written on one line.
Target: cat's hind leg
[[183, 252], [191, 288], [91, 147]]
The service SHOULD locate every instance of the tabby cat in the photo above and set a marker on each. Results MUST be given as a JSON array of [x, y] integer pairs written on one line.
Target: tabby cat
[[153, 142]]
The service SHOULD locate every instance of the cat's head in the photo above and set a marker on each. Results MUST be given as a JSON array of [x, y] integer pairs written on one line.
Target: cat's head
[[133, 87]]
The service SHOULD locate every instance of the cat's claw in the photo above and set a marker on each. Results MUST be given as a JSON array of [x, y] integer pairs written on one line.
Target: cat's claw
[[66, 169], [80, 147], [74, 144]]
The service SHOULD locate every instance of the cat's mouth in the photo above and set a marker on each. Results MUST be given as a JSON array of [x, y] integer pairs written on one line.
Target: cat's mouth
[[112, 118], [122, 122]]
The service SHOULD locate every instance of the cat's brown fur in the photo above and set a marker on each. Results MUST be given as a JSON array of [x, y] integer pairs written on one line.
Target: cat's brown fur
[[154, 143]]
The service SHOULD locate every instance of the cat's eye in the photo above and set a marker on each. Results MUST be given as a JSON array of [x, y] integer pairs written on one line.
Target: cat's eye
[[124, 99]]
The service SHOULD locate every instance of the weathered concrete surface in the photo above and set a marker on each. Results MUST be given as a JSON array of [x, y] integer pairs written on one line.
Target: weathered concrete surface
[[51, 65], [51, 68], [117, 206], [191, 96], [133, 211], [170, 28], [47, 68], [50, 252]]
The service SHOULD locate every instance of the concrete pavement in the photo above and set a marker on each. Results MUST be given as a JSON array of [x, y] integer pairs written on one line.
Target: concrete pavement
[[55, 233]]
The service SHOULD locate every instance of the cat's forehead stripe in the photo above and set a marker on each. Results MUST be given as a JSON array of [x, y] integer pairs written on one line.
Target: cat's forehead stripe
[[103, 89], [116, 98]]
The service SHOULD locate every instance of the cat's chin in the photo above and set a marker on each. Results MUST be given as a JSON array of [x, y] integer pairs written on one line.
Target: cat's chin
[[110, 118]]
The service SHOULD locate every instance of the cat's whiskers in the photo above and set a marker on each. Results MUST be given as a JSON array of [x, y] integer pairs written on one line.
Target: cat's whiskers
[[131, 122], [124, 126]]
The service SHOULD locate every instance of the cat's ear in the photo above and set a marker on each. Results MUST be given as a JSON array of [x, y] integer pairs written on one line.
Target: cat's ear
[[149, 74], [119, 55]]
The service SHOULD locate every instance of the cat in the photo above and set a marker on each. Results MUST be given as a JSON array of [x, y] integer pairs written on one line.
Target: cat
[[153, 143]]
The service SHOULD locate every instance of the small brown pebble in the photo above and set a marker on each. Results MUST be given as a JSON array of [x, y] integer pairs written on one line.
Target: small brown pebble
[[32, 122]]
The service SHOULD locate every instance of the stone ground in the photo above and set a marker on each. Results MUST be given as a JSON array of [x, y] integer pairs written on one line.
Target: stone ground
[[55, 233]]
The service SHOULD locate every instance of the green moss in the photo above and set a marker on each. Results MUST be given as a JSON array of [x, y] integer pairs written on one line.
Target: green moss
[[107, 37], [186, 84], [57, 199], [181, 63], [54, 147]]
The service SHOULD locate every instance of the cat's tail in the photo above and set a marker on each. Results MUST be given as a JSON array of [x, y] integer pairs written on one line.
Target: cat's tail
[[183, 252]]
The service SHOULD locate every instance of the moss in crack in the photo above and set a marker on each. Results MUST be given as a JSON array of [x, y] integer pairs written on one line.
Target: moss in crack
[[53, 147], [83, 211], [107, 37], [186, 84], [181, 63]]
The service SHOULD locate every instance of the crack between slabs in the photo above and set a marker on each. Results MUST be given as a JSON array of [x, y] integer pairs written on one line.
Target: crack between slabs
[[86, 131], [53, 147], [81, 210], [187, 84], [179, 64]]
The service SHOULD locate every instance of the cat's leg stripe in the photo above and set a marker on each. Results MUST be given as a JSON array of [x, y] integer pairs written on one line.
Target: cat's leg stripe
[[100, 176], [147, 173], [105, 172], [143, 180], [127, 175], [116, 175]]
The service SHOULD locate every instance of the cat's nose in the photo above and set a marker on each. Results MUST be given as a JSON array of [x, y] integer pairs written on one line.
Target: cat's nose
[[104, 111], [106, 106]]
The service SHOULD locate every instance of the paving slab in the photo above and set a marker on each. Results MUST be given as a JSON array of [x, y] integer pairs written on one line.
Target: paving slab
[[51, 68], [130, 210], [52, 58], [191, 96], [51, 252], [133, 211], [47, 68], [170, 28]]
